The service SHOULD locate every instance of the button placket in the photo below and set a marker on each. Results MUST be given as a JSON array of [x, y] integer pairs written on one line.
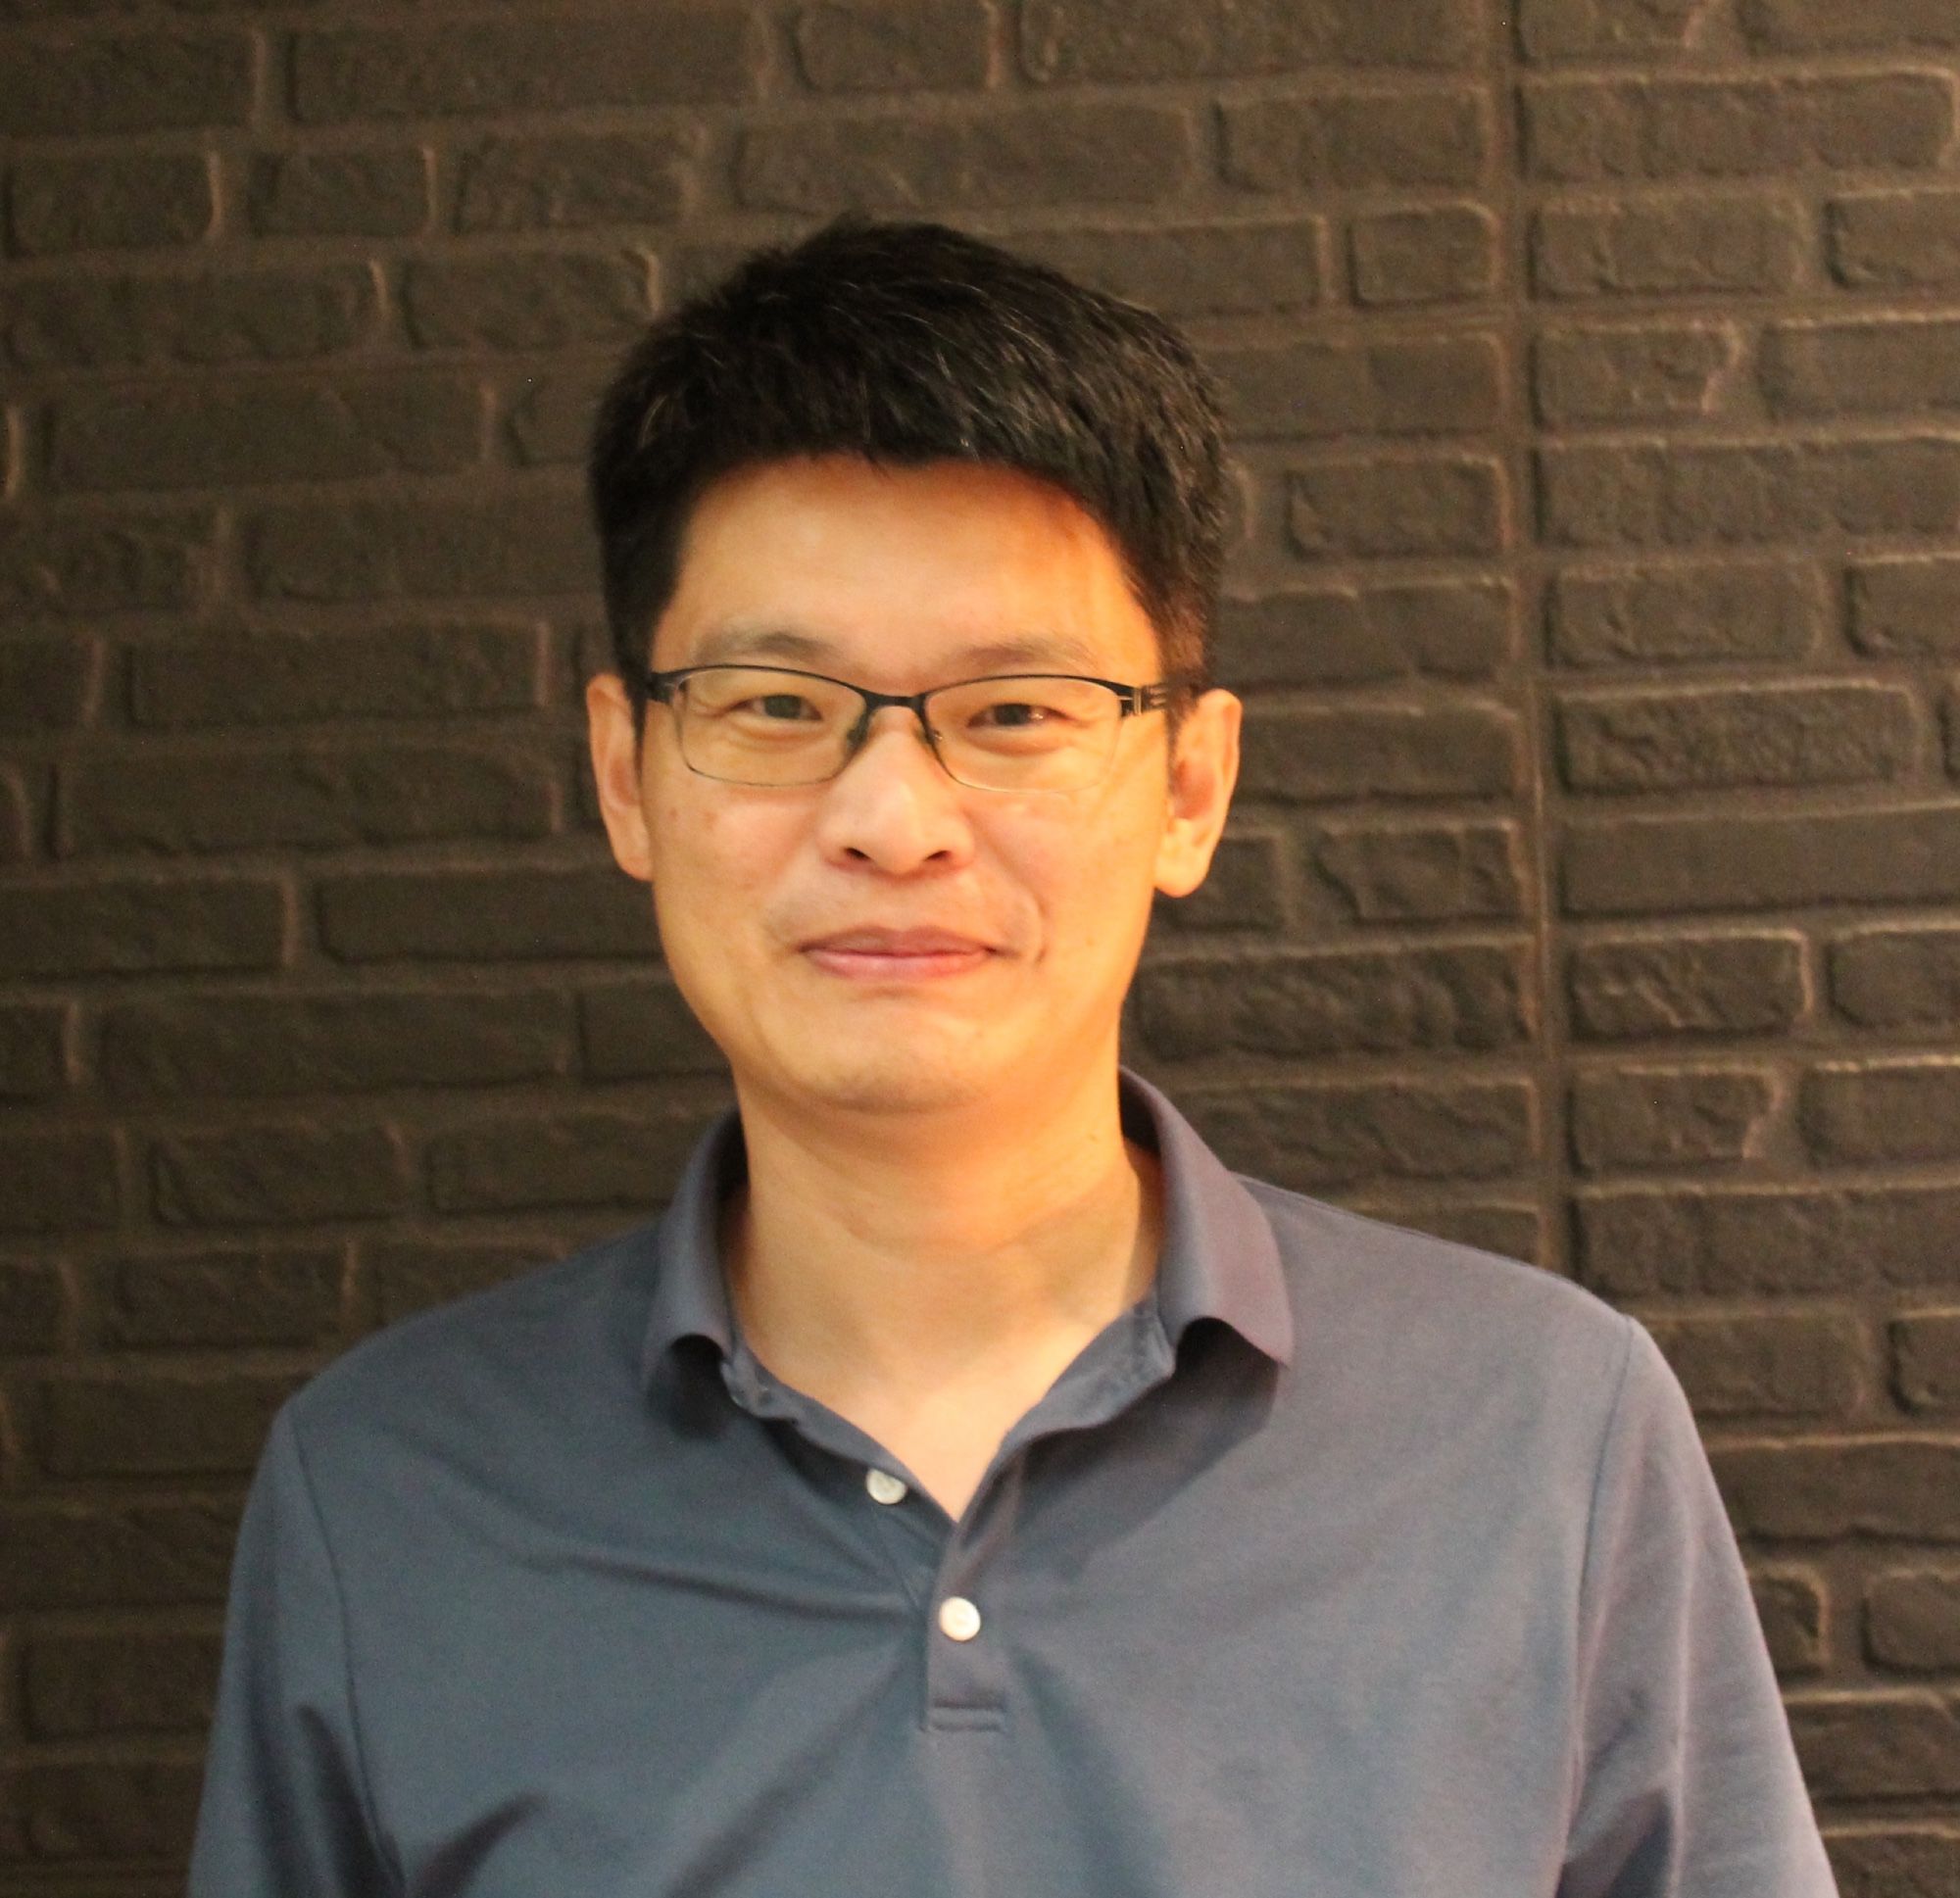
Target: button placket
[[965, 1655]]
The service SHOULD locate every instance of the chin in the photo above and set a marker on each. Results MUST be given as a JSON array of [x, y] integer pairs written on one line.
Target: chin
[[904, 1077]]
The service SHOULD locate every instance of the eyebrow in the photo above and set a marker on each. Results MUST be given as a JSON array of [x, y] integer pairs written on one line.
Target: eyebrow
[[736, 643]]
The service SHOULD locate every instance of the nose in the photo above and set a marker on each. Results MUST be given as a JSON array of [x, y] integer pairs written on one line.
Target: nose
[[892, 803]]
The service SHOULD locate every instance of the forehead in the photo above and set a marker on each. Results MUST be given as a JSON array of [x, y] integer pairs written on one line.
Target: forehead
[[835, 561]]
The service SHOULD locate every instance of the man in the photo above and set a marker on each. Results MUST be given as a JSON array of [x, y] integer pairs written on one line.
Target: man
[[970, 1486]]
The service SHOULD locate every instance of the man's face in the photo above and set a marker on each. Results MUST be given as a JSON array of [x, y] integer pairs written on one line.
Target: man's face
[[900, 580]]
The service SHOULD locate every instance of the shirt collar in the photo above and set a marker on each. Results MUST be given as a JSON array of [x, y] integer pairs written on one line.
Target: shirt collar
[[1218, 1257]]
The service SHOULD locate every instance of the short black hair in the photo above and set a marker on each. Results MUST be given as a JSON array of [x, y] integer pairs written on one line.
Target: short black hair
[[905, 343]]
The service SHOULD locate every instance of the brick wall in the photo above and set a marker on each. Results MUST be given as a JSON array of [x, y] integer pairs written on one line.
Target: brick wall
[[1595, 887]]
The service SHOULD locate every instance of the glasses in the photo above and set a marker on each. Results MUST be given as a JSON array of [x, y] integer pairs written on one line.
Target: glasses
[[1023, 731]]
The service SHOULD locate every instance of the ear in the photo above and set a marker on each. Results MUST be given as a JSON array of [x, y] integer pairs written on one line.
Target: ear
[[615, 771], [1203, 771]]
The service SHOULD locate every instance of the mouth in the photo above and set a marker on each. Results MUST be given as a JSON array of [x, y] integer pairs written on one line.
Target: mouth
[[897, 955]]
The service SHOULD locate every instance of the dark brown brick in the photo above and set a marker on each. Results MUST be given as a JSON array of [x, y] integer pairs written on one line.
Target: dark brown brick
[[1313, 1139], [549, 301], [486, 915], [1626, 866], [56, 1181], [630, 1161], [1926, 1360], [113, 1423], [1876, 1747], [1190, 270], [179, 438], [21, 833], [34, 1303], [33, 1060], [701, 54], [1823, 26], [1736, 493], [1894, 240], [382, 193], [125, 1809], [1906, 607], [266, 1294], [82, 1685], [271, 1044], [132, 927], [80, 566], [1899, 1861], [108, 202], [100, 322], [550, 417], [1593, 131], [1790, 1607], [1904, 364], [1330, 754], [316, 798], [125, 1553], [1882, 1110], [1108, 152], [1700, 245], [1400, 873], [1783, 1240], [45, 683], [1356, 140], [1245, 889], [1756, 609], [281, 1174], [537, 540], [1352, 635], [1073, 40], [1685, 985], [1785, 1364], [1584, 30], [573, 183], [1304, 1004], [1433, 254], [1371, 506], [1726, 736], [642, 1029], [1897, 978], [1912, 1619], [895, 45], [409, 1276], [1668, 1117], [131, 83], [1820, 1489], [1422, 386], [404, 672], [1675, 371]]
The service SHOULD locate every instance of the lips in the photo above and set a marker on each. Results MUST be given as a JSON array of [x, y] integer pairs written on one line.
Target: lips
[[899, 941], [897, 955]]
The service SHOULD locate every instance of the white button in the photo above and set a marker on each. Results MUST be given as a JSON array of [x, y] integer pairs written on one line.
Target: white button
[[884, 1487], [959, 1619]]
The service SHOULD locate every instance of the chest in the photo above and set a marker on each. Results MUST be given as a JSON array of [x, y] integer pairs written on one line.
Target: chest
[[1193, 1667]]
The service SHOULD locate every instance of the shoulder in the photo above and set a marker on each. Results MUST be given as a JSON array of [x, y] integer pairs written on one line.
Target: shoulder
[[496, 1354], [1435, 1314]]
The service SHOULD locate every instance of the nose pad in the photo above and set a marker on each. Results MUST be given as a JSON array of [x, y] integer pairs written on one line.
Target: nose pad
[[862, 738]]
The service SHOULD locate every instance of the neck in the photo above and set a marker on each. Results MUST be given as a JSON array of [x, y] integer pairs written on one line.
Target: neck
[[876, 1261]]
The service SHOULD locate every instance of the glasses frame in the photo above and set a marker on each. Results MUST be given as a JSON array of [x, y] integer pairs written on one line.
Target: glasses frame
[[1132, 701]]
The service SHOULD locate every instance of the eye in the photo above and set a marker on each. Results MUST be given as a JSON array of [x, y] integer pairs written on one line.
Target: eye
[[779, 708], [1017, 715]]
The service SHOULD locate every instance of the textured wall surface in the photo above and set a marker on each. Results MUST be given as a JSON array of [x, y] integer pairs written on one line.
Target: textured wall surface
[[1595, 886]]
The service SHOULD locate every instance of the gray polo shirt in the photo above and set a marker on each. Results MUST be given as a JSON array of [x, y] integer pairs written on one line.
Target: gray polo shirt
[[1349, 1563]]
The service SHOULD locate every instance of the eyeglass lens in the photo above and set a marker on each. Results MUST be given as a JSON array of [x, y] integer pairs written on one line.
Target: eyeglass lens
[[755, 725]]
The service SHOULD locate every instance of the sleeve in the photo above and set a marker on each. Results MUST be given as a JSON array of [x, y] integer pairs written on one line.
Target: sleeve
[[286, 1812], [1687, 1784]]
